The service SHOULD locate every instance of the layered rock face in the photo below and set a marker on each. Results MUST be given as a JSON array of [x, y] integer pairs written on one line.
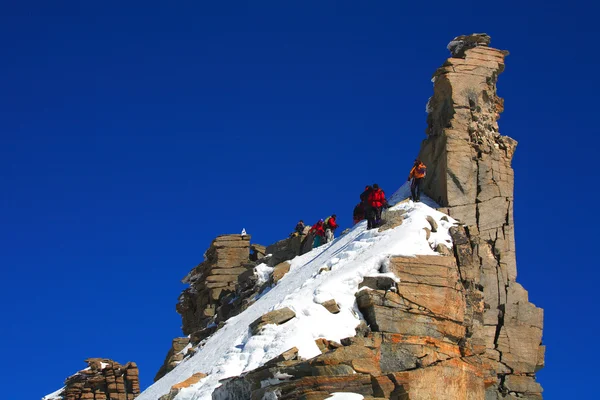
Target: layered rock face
[[226, 273], [104, 379], [227, 258], [470, 175], [224, 285]]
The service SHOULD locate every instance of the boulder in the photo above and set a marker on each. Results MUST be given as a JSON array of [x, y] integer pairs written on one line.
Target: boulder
[[432, 223], [280, 270], [331, 306], [378, 282], [276, 317]]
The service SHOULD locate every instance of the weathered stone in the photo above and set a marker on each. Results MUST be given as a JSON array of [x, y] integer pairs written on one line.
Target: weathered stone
[[427, 270], [280, 270], [291, 354], [285, 249], [192, 380], [258, 252], [391, 219], [382, 386], [448, 380], [102, 379], [460, 44], [378, 282], [332, 370], [276, 317], [522, 384], [405, 321], [432, 223], [343, 355], [331, 306], [443, 250], [427, 233], [233, 272]]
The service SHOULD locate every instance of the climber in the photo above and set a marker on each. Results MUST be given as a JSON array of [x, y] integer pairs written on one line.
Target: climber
[[330, 225], [359, 213], [319, 232], [364, 196], [376, 203], [299, 229], [364, 199], [417, 173]]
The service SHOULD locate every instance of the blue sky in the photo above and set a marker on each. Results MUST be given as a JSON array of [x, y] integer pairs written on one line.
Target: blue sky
[[131, 135]]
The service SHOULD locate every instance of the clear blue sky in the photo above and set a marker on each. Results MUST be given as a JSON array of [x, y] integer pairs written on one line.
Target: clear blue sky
[[132, 134]]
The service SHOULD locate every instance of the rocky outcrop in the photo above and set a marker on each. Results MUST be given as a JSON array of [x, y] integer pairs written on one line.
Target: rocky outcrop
[[456, 325], [289, 248], [227, 258], [222, 286], [103, 379], [174, 356], [175, 389], [276, 317]]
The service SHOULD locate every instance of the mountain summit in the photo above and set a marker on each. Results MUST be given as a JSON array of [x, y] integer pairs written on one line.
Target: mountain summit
[[424, 307]]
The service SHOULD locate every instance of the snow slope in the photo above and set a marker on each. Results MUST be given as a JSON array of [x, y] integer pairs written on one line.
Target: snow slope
[[233, 350], [54, 395]]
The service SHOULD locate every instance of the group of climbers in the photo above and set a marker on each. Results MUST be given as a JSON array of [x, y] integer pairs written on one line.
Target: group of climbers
[[322, 231], [372, 203]]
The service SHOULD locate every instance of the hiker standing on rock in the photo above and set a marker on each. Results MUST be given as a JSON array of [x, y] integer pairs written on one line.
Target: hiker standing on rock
[[299, 229], [330, 226], [376, 203], [318, 230], [417, 173]]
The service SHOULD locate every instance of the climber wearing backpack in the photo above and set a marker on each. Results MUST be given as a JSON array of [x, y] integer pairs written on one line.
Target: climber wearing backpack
[[359, 213], [376, 202], [364, 200], [417, 173], [318, 230], [330, 225], [364, 196]]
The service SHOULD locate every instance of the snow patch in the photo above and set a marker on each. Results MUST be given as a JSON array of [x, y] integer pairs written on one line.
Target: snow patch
[[263, 272], [345, 396], [55, 395]]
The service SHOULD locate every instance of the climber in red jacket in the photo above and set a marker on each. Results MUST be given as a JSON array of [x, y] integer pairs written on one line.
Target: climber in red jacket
[[319, 231], [376, 202]]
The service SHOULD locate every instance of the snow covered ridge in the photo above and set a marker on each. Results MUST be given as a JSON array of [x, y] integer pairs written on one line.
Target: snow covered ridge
[[332, 271]]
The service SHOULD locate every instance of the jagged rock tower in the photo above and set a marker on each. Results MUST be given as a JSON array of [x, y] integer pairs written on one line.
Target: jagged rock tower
[[470, 175]]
